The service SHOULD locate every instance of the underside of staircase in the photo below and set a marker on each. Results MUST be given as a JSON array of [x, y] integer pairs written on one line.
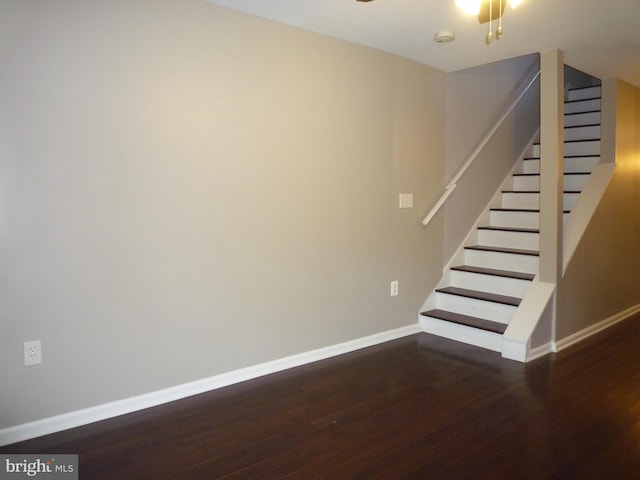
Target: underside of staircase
[[478, 296]]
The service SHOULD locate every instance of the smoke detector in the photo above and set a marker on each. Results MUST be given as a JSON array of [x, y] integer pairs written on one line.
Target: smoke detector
[[444, 36]]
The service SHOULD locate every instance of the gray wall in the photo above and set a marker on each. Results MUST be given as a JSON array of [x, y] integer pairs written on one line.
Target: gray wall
[[476, 99], [603, 278], [185, 191]]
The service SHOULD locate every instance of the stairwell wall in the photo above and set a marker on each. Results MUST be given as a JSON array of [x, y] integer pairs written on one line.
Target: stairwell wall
[[603, 278], [187, 190], [476, 98]]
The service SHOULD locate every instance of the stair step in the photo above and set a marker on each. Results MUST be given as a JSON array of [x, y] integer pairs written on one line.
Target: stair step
[[466, 320], [581, 118], [572, 163], [580, 132], [530, 199], [514, 251], [521, 210], [590, 146], [538, 191], [478, 295], [580, 93], [510, 229], [494, 272], [582, 105]]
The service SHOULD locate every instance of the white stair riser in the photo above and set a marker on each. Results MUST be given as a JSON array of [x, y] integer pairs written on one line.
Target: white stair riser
[[580, 164], [582, 106], [571, 164], [532, 200], [500, 238], [571, 182], [570, 200], [501, 261], [531, 165], [582, 93], [496, 312], [575, 182], [588, 118], [514, 219], [590, 132], [512, 287], [527, 182], [460, 333], [583, 147], [586, 147]]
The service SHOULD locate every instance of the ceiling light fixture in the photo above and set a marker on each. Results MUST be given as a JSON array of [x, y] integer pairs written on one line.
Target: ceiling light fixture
[[487, 11]]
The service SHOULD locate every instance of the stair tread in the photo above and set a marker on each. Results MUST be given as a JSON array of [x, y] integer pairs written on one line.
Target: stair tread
[[584, 155], [537, 174], [494, 272], [466, 320], [582, 113], [582, 100], [517, 251], [583, 126], [575, 141], [536, 191], [509, 229], [522, 210], [479, 295]]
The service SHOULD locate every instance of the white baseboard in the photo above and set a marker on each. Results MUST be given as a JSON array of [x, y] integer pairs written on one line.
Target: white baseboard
[[540, 351], [86, 416], [593, 329]]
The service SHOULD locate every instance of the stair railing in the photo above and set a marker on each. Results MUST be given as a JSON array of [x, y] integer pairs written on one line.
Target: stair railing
[[476, 151]]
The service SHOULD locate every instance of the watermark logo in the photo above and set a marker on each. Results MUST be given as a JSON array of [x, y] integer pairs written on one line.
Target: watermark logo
[[51, 467]]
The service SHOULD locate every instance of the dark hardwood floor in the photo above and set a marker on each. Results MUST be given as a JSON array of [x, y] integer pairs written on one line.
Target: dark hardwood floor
[[420, 407]]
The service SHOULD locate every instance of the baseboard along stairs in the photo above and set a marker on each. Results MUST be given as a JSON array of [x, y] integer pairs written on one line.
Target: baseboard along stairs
[[477, 298]]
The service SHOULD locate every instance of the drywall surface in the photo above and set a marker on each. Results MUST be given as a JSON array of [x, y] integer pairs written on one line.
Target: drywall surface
[[476, 99], [186, 190], [603, 277]]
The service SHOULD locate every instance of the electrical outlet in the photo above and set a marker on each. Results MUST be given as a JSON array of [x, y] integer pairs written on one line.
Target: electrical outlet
[[32, 353], [394, 288]]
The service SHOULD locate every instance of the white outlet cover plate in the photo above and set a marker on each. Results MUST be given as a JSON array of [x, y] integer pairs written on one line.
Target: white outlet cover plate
[[32, 353]]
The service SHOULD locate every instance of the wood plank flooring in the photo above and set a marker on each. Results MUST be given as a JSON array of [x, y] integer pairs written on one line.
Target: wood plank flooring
[[421, 407]]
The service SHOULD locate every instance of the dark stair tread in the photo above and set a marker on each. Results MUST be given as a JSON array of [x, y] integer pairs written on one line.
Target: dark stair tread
[[517, 251], [576, 141], [494, 272], [581, 113], [536, 191], [478, 295], [537, 174], [585, 125], [522, 210], [584, 155], [510, 229], [466, 320], [582, 100]]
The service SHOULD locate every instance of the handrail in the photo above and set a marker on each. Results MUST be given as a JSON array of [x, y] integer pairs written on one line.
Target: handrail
[[448, 190]]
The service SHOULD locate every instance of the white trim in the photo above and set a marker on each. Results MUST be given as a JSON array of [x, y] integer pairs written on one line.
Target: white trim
[[514, 350], [593, 329], [86, 416], [540, 351]]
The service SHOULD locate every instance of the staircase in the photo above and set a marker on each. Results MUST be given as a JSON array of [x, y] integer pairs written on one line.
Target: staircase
[[477, 298]]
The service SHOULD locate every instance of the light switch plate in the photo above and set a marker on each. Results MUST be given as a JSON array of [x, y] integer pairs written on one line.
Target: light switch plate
[[406, 200]]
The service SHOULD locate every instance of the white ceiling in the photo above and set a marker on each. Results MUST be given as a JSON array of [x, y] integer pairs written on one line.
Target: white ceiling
[[600, 37]]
